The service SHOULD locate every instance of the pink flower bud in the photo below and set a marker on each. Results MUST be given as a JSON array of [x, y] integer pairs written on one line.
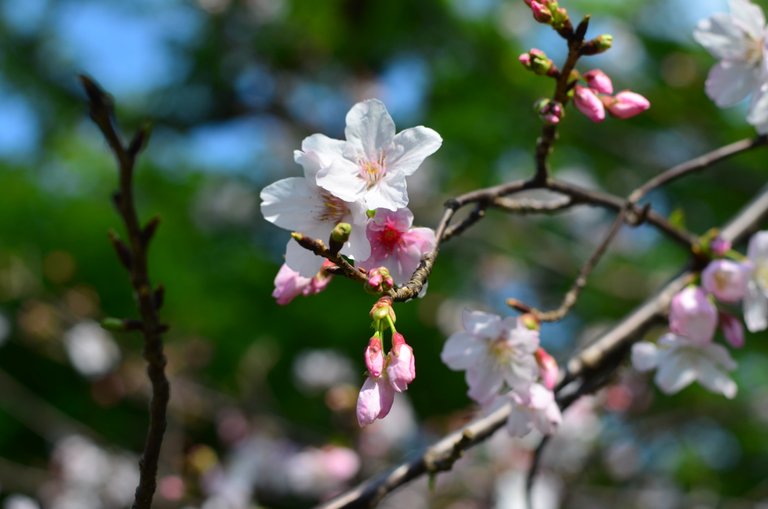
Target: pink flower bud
[[626, 104], [720, 246], [692, 315], [401, 368], [541, 13], [548, 369], [525, 59], [726, 280], [599, 81], [379, 280], [374, 401], [732, 330], [589, 104], [374, 357], [551, 112]]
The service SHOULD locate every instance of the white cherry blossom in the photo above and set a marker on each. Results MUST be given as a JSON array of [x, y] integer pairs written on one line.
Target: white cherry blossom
[[756, 297], [493, 351], [375, 161], [299, 204]]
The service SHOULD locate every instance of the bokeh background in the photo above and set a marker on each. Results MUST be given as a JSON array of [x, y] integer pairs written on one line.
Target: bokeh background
[[262, 411]]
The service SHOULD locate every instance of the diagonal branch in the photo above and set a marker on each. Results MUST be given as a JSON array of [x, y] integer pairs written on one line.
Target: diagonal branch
[[134, 257]]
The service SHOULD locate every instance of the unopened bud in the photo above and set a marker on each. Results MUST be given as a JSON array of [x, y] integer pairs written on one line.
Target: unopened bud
[[548, 369], [719, 246], [374, 357], [383, 309], [530, 322], [541, 13], [598, 45], [379, 280], [339, 236], [401, 368], [551, 112], [560, 18]]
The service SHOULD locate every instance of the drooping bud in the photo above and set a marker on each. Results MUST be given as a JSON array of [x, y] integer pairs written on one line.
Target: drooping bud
[[374, 357], [732, 329], [375, 400], [339, 236], [588, 103], [548, 369], [551, 112], [598, 81], [379, 280], [726, 280], [598, 45], [401, 368], [626, 104], [383, 309]]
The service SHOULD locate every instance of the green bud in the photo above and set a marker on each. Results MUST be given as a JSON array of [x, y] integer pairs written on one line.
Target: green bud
[[113, 324], [598, 45], [339, 235]]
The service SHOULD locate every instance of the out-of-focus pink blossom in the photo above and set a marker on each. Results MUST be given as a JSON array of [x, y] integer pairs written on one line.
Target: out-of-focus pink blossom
[[692, 315], [598, 81], [401, 368], [756, 298], [720, 246], [374, 357], [548, 369], [589, 103], [533, 407], [726, 279], [626, 104], [732, 329], [375, 400], [395, 245], [289, 284]]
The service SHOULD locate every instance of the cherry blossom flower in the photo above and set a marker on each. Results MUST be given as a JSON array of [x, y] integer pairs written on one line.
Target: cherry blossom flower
[[756, 297], [375, 400], [533, 408], [289, 284], [298, 204], [680, 362], [375, 161], [738, 39], [692, 315], [493, 351], [726, 280], [395, 245]]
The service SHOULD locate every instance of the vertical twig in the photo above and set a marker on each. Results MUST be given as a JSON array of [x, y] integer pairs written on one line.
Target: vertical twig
[[134, 257]]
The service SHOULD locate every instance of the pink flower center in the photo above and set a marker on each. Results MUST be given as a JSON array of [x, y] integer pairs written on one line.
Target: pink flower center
[[372, 171], [389, 237], [333, 209]]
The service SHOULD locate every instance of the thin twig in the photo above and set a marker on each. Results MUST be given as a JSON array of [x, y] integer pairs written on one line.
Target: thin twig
[[592, 366], [134, 258]]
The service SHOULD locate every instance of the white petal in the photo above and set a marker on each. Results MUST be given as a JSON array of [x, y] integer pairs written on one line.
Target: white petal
[[711, 377], [412, 146], [390, 193], [461, 351], [719, 355], [758, 111], [342, 180], [370, 128], [318, 151], [305, 262], [645, 356], [484, 382], [519, 422], [758, 247], [729, 82], [481, 325], [675, 372], [286, 201], [755, 308], [748, 16], [358, 246], [722, 37]]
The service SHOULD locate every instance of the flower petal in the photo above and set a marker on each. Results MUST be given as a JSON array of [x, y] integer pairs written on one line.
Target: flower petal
[[711, 377], [317, 151], [484, 382], [412, 146], [755, 308], [461, 351], [284, 203], [369, 129], [341, 179], [758, 111], [481, 325], [676, 371], [645, 356], [390, 193], [730, 81], [748, 17], [305, 262], [722, 37]]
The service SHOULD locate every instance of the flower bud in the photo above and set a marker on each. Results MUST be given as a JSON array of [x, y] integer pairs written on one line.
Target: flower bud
[[529, 321], [588, 103], [598, 81], [732, 330], [383, 309], [719, 246], [560, 18], [339, 236], [551, 112], [692, 315], [548, 369], [401, 367], [374, 357], [374, 401], [626, 104], [726, 280], [537, 62], [598, 45], [541, 13], [379, 280]]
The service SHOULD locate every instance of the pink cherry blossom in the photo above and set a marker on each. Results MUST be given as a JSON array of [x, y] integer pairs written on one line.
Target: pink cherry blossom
[[289, 284], [401, 365], [598, 81], [726, 280], [626, 104], [374, 357], [589, 103], [692, 315], [533, 408], [375, 400], [395, 245]]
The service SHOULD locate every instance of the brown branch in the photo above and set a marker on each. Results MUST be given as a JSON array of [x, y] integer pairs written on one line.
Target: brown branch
[[134, 258], [697, 164], [592, 366]]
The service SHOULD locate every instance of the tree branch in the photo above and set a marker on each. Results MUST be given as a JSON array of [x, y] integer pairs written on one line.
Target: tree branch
[[134, 257]]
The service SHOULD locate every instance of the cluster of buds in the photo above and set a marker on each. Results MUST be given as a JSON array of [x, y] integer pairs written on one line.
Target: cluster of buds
[[388, 373], [539, 63], [596, 97], [379, 280], [549, 13], [551, 112]]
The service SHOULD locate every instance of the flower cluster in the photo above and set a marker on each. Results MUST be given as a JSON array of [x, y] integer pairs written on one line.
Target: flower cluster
[[386, 374], [360, 182], [688, 352], [505, 365], [594, 99], [739, 41]]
